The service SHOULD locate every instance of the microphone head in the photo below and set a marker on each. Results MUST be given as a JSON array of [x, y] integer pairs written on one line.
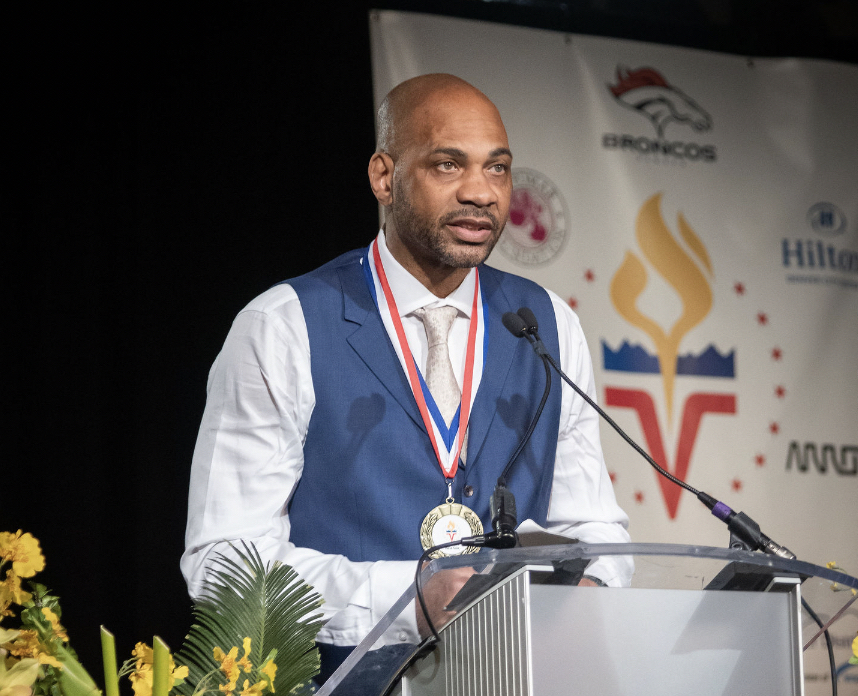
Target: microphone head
[[529, 318], [514, 324]]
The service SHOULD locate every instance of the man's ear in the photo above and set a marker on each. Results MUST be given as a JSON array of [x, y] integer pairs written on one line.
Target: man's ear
[[381, 177]]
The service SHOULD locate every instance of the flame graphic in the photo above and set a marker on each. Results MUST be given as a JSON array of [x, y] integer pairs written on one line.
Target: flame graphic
[[681, 272]]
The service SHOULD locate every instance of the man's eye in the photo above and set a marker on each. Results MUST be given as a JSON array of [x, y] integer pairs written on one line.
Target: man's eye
[[499, 168], [447, 166]]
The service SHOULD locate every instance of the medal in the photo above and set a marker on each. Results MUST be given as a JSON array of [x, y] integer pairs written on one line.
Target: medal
[[449, 522]]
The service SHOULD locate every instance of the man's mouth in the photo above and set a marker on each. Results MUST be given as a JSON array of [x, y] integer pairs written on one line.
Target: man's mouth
[[471, 229]]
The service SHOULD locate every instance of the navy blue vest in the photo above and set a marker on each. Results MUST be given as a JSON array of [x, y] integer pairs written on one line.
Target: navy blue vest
[[370, 474]]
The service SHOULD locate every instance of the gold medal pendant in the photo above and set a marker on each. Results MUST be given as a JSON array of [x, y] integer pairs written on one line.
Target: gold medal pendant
[[449, 522]]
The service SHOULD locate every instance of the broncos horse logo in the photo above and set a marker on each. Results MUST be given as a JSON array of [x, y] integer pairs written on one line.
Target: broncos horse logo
[[646, 91]]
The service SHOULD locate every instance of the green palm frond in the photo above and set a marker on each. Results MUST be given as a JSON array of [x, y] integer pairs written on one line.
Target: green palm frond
[[270, 605]]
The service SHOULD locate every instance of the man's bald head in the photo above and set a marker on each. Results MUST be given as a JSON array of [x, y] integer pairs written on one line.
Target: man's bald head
[[397, 113]]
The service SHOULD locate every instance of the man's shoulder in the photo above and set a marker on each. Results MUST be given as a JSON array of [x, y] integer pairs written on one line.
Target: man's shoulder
[[500, 276], [332, 267], [273, 300], [518, 287], [512, 285]]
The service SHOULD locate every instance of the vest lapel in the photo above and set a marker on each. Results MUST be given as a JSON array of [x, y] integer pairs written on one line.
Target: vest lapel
[[371, 342], [502, 347]]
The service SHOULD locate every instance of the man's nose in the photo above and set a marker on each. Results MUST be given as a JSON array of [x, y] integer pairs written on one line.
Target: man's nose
[[476, 188]]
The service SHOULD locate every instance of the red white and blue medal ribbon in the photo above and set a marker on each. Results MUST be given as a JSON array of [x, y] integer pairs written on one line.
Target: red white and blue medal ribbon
[[446, 440]]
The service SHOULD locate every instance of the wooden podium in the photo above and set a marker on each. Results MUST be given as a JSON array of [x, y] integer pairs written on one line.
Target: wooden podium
[[694, 620]]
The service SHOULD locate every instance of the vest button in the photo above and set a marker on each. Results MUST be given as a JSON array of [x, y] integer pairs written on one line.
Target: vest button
[[469, 491]]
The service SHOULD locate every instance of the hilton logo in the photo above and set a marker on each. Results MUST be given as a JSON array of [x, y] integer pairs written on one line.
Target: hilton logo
[[826, 218]]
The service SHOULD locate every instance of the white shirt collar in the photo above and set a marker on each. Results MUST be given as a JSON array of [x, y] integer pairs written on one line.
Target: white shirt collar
[[411, 294]]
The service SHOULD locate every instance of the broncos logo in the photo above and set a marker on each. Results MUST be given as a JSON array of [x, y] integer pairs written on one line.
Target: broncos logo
[[646, 91]]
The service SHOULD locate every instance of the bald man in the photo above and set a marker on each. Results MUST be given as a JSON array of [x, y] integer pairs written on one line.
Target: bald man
[[350, 405]]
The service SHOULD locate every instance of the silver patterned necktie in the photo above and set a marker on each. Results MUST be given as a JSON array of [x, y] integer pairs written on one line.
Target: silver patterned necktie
[[439, 369]]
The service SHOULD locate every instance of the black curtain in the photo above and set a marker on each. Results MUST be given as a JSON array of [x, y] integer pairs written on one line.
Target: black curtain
[[167, 168]]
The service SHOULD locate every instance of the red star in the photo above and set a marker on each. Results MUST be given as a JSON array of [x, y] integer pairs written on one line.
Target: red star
[[780, 392], [639, 497], [777, 354], [760, 460], [774, 428], [736, 485], [739, 288], [589, 276], [762, 318], [573, 303], [613, 476]]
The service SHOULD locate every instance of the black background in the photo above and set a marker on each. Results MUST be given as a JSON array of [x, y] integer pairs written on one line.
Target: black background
[[164, 166]]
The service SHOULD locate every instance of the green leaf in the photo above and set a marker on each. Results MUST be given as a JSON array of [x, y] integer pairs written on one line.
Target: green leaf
[[74, 680], [160, 667], [270, 605], [108, 657]]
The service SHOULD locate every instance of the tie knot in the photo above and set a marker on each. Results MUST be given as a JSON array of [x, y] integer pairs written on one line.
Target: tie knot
[[437, 322]]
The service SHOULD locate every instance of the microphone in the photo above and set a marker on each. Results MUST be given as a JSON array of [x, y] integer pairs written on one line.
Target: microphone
[[744, 532], [503, 518], [515, 324], [502, 503], [529, 318]]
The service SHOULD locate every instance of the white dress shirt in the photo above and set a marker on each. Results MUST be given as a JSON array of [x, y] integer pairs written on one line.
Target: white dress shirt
[[249, 455]]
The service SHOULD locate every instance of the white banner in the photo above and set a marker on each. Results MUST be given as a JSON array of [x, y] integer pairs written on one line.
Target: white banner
[[700, 213]]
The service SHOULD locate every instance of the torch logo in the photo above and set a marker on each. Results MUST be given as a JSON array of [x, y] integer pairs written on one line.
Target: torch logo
[[687, 269]]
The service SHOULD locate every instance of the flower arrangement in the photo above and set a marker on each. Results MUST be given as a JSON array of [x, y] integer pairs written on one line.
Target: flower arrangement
[[268, 611]]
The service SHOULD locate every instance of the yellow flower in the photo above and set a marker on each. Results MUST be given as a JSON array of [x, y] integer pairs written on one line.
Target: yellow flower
[[11, 593], [26, 645], [144, 654], [59, 631], [231, 667], [254, 690], [228, 667], [269, 671], [854, 659], [244, 662], [24, 552], [142, 677]]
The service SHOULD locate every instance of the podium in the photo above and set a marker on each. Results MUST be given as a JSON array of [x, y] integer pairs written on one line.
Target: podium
[[693, 620]]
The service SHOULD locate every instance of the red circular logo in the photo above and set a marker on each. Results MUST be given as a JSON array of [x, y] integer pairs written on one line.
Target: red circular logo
[[538, 219]]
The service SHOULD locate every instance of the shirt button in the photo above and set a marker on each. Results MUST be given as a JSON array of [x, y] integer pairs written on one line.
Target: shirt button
[[469, 491], [403, 636]]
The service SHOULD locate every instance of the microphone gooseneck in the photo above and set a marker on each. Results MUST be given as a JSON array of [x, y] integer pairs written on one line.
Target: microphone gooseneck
[[744, 532], [502, 502]]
